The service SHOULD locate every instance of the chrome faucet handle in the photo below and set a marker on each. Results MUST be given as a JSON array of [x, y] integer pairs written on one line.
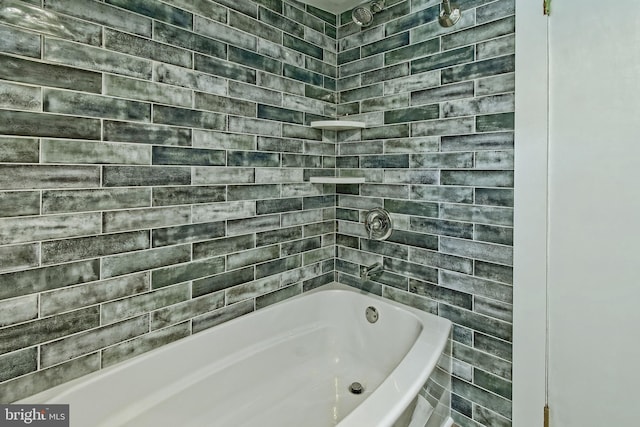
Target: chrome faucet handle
[[378, 224]]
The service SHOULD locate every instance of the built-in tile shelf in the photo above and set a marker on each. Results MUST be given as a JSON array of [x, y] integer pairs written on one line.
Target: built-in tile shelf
[[338, 125], [334, 180]]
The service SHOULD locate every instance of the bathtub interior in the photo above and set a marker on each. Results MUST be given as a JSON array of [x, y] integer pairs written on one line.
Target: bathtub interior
[[276, 367]]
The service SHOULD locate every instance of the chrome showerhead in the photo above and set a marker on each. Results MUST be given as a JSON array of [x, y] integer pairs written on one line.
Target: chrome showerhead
[[363, 15], [450, 14]]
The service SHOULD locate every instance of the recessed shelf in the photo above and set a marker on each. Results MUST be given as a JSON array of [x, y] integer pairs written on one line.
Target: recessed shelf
[[338, 125], [334, 180]]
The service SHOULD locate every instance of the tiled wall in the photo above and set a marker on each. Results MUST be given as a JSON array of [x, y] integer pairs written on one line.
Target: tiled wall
[[154, 164], [154, 171], [438, 155]]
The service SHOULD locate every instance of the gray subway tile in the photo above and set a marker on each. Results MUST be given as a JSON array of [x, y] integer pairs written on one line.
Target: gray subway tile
[[18, 363], [252, 225], [179, 76], [444, 228], [158, 11], [189, 118], [48, 125], [102, 13], [19, 150], [18, 310], [185, 311], [93, 58], [188, 40], [19, 257], [477, 178], [222, 315], [140, 304], [18, 42], [184, 272], [479, 33], [188, 156], [143, 90], [222, 211], [136, 219], [222, 68], [87, 342], [250, 257], [476, 142], [477, 286], [117, 265], [143, 133], [477, 250], [27, 229], [187, 233], [224, 33], [67, 151], [186, 195], [223, 104], [64, 299], [20, 97], [482, 214], [58, 251], [47, 329], [40, 176], [488, 67], [224, 246], [125, 176], [61, 201], [222, 281]]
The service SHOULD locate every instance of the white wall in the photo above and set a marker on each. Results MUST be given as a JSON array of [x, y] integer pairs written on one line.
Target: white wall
[[594, 214], [594, 252]]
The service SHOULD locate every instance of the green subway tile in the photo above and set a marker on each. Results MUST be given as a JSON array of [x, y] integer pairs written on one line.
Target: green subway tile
[[496, 47], [178, 76], [19, 150], [441, 227], [494, 196], [278, 266], [190, 118], [256, 191], [362, 93], [477, 142], [302, 75], [117, 265], [18, 257], [254, 93], [412, 83], [67, 151], [189, 40], [436, 259], [253, 159], [254, 60], [65, 102], [488, 67], [19, 97], [278, 205], [136, 219], [298, 14], [493, 234], [156, 10], [141, 133], [255, 27], [80, 344], [143, 303], [223, 140], [277, 296], [477, 250], [64, 299], [255, 126], [479, 105], [417, 50], [19, 203], [19, 42], [319, 94], [50, 23], [223, 246], [144, 48], [47, 329], [495, 160], [187, 233], [361, 66], [58, 251], [478, 178], [48, 125], [252, 225], [495, 122], [166, 196], [387, 44], [278, 21], [455, 126], [278, 236], [19, 363], [188, 156], [349, 55], [412, 114], [412, 20], [412, 208], [16, 230], [384, 103], [48, 278], [386, 73], [443, 60], [252, 256], [223, 104], [60, 201], [224, 33], [186, 272], [482, 214], [440, 294], [442, 160], [279, 114], [146, 91], [125, 176], [92, 58], [222, 315], [442, 93], [437, 193], [14, 177], [385, 161], [103, 14], [479, 33], [496, 84], [139, 345], [222, 281], [212, 175]]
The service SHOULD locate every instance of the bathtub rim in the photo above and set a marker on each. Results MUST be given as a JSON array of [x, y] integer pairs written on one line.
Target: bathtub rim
[[375, 411]]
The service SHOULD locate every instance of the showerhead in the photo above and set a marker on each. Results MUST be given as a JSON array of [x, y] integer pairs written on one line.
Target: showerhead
[[363, 15], [449, 15]]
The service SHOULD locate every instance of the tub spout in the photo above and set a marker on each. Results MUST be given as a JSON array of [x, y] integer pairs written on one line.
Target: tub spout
[[371, 272]]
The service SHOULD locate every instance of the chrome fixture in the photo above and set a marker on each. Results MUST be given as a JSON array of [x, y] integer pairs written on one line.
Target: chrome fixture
[[371, 272], [356, 388], [378, 224], [372, 314], [363, 15], [450, 14]]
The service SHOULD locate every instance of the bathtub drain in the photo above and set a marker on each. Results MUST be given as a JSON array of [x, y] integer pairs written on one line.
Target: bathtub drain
[[356, 388]]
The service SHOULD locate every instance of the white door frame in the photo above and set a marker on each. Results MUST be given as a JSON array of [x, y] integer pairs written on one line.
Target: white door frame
[[530, 215]]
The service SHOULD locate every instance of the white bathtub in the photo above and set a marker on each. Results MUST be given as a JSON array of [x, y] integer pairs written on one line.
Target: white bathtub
[[288, 365]]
